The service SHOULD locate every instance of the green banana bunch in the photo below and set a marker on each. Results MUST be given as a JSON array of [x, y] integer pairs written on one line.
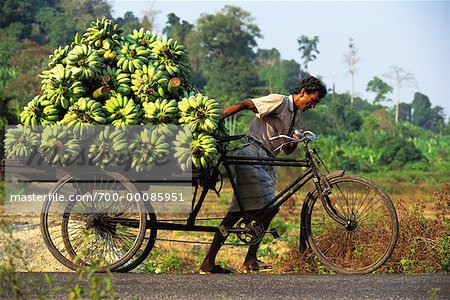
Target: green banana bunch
[[172, 56], [109, 148], [132, 57], [59, 56], [39, 111], [182, 148], [161, 111], [104, 36], [60, 86], [82, 115], [142, 37], [59, 145], [84, 62], [149, 148], [199, 112], [163, 114], [117, 80], [20, 142], [121, 110], [148, 84], [204, 151]]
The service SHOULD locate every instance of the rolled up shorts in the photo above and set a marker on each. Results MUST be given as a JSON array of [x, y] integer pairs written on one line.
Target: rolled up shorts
[[256, 184]]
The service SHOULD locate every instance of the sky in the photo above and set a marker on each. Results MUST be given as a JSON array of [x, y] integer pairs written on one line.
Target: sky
[[413, 35]]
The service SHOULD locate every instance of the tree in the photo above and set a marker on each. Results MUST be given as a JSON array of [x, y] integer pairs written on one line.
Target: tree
[[401, 78], [276, 74], [7, 107], [225, 45], [379, 87], [128, 22], [308, 49], [405, 112], [351, 60], [437, 116], [176, 28], [148, 20], [425, 116]]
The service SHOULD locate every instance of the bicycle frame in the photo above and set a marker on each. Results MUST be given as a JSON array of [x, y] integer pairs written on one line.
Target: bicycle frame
[[312, 172]]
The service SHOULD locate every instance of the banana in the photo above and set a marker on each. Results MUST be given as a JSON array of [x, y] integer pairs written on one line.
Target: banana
[[20, 142], [200, 113], [121, 110], [148, 149], [59, 146]]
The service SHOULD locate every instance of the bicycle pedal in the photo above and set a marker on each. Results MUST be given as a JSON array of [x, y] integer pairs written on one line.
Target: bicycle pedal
[[274, 233], [223, 230]]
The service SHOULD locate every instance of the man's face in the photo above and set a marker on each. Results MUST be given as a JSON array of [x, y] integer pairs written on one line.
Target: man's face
[[305, 101]]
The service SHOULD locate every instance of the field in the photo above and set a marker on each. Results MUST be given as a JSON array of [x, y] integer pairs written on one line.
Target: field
[[423, 245]]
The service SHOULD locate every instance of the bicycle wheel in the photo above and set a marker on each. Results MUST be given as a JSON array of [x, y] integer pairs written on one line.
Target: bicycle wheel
[[91, 232], [147, 243], [369, 229]]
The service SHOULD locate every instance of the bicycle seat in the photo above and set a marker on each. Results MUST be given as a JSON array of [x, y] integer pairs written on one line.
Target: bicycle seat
[[229, 138]]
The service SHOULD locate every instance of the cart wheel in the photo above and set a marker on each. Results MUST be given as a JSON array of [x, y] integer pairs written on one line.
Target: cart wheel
[[100, 229], [147, 243]]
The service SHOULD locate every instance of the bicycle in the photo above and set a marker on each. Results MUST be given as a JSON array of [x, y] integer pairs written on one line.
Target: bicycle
[[338, 217]]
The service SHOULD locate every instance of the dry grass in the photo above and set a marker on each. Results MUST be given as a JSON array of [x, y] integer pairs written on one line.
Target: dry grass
[[423, 244]]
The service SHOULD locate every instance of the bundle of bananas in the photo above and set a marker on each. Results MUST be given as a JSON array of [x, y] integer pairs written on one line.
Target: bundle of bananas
[[39, 111], [172, 56], [61, 87], [182, 147], [142, 38], [116, 80], [82, 115], [59, 56], [21, 142], [109, 148], [104, 36], [203, 149], [148, 148], [163, 114], [132, 57], [148, 84], [84, 62], [59, 146], [200, 113], [121, 110]]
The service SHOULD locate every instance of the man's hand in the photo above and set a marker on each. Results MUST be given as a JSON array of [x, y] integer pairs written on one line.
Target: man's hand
[[289, 148]]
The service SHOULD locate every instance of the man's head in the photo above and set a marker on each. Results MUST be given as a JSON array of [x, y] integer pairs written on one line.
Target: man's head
[[308, 93]]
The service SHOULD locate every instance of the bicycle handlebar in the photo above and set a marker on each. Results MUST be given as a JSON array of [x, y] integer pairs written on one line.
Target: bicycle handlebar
[[305, 136]]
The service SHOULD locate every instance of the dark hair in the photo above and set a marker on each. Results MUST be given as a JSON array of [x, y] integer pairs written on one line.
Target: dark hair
[[311, 84]]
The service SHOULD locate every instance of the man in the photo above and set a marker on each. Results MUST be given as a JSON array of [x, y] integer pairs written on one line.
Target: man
[[275, 115]]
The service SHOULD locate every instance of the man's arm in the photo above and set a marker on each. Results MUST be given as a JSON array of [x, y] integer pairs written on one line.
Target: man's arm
[[243, 105]]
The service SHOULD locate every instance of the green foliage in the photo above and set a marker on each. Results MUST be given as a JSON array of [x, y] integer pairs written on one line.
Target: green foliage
[[308, 48], [226, 42], [426, 116], [379, 87], [176, 28], [128, 22], [276, 75]]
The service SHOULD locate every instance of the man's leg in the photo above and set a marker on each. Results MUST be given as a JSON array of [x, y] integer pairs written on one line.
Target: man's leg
[[252, 250], [209, 262]]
